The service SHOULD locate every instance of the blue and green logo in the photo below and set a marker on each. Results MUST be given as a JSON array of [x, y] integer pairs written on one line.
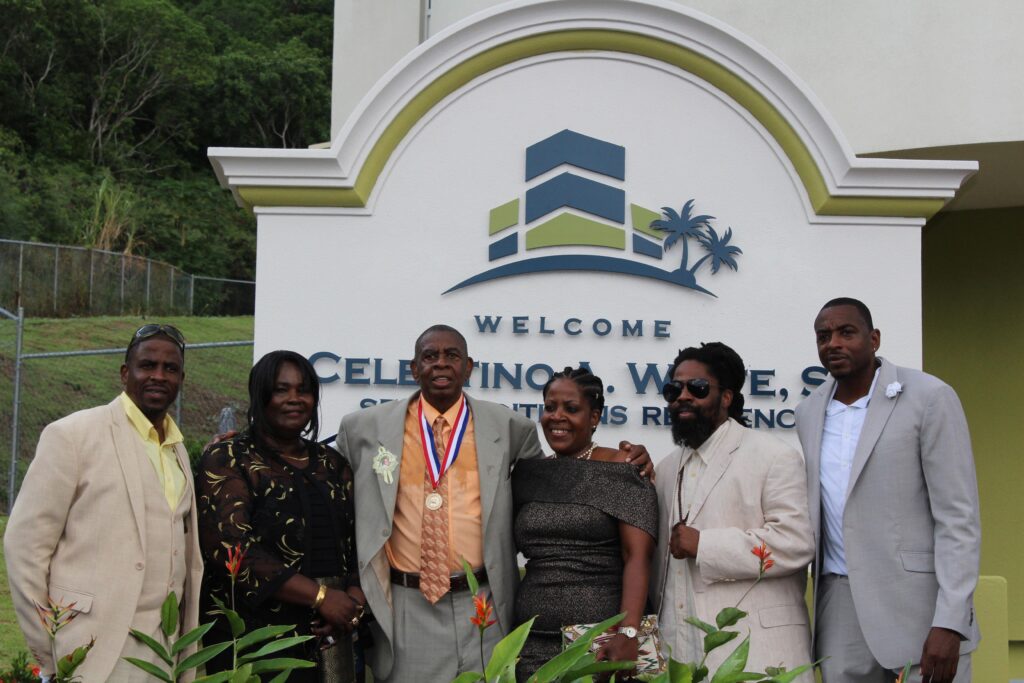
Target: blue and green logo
[[550, 221]]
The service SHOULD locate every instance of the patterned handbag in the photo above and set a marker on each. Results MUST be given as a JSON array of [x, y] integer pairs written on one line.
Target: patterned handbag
[[649, 659]]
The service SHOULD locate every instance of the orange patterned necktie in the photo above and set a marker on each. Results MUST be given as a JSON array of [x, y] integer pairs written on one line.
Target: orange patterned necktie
[[435, 575]]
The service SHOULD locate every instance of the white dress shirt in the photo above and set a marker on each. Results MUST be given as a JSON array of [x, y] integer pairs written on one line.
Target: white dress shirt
[[843, 424], [682, 641]]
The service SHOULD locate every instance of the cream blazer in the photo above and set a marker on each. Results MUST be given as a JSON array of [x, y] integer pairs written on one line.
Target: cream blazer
[[76, 533], [753, 491]]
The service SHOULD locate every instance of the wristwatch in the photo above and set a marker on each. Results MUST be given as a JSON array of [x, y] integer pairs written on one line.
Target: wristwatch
[[628, 631]]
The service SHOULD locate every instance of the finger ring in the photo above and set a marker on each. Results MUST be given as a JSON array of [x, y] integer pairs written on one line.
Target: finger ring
[[355, 621], [329, 640]]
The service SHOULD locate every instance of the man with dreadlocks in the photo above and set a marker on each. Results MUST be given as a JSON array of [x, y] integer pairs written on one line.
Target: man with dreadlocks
[[732, 502]]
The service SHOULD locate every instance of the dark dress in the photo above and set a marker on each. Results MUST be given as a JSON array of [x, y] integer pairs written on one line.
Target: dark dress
[[567, 515], [287, 520]]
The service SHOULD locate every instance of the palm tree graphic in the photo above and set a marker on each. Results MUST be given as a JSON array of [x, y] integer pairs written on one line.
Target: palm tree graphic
[[719, 250], [681, 227]]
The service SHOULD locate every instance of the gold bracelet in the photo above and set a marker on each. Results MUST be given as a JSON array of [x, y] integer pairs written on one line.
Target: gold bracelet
[[321, 595]]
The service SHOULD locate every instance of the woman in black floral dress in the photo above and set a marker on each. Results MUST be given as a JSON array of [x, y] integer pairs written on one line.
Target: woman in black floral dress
[[287, 502]]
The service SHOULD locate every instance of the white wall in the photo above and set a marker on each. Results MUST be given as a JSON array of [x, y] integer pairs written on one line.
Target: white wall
[[895, 75]]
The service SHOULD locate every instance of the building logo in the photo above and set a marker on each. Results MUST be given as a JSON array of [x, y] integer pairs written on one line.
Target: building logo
[[551, 220]]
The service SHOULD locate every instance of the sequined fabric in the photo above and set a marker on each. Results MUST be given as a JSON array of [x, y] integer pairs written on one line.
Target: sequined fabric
[[567, 527]]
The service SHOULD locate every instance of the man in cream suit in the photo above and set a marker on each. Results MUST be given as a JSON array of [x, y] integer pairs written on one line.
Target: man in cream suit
[[726, 490], [105, 519], [894, 509], [461, 505]]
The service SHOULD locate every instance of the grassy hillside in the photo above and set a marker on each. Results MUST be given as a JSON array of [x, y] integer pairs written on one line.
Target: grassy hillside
[[53, 387]]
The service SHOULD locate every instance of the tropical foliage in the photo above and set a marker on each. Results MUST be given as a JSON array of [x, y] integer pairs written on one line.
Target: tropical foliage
[[107, 108], [252, 653], [578, 663]]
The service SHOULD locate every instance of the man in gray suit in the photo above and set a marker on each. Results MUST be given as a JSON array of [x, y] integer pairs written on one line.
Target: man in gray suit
[[432, 487], [894, 508]]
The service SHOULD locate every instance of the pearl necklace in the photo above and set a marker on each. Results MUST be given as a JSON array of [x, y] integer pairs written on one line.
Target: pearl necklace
[[585, 455]]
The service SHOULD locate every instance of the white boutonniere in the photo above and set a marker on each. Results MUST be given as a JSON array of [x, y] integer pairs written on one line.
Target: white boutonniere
[[892, 390], [384, 464]]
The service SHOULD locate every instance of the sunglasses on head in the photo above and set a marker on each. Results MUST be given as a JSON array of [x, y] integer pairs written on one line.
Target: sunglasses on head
[[153, 329], [698, 388]]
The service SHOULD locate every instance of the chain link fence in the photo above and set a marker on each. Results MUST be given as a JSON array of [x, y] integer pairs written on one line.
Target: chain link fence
[[59, 281], [38, 388]]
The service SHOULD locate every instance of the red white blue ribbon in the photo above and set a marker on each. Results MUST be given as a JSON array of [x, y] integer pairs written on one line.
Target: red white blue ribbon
[[439, 463]]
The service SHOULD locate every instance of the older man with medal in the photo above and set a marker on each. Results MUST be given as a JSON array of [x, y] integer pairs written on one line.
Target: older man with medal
[[432, 488]]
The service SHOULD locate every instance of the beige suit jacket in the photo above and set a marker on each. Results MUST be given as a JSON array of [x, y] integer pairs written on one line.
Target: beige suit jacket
[[753, 491], [77, 534], [502, 437], [911, 526]]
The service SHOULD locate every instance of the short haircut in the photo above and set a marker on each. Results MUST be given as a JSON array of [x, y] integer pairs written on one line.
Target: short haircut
[[438, 328], [590, 385], [135, 343], [726, 366], [262, 378], [856, 303]]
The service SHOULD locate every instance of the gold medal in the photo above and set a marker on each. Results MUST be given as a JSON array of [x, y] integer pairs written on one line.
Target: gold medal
[[434, 501]]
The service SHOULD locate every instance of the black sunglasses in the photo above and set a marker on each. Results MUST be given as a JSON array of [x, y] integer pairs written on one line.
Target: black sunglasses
[[153, 329], [698, 388]]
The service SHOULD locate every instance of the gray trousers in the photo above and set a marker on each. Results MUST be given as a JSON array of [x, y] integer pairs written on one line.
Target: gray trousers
[[436, 642], [838, 636]]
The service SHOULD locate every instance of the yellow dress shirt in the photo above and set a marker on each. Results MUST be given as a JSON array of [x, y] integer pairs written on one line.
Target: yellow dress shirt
[[161, 455], [465, 521]]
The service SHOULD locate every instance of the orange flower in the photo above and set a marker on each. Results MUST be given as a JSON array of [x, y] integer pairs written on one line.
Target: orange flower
[[484, 612], [763, 557], [35, 671], [234, 561]]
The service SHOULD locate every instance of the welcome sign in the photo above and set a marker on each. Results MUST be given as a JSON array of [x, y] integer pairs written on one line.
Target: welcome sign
[[595, 183]]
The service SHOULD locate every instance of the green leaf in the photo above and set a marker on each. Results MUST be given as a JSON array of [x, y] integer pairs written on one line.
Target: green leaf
[[190, 637], [151, 643], [700, 674], [469, 677], [474, 585], [507, 651], [679, 672], [169, 615], [788, 676], [242, 674], [281, 677], [201, 657], [729, 616], [734, 663], [569, 657], [718, 639], [597, 667], [150, 668], [236, 623], [280, 664], [261, 634], [702, 625], [222, 608], [274, 646], [219, 677]]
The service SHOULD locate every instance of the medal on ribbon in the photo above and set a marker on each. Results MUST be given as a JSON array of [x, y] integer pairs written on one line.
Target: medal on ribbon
[[439, 463]]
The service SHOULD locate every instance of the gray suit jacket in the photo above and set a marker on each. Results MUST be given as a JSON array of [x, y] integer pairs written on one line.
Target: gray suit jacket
[[77, 534], [502, 437], [911, 527]]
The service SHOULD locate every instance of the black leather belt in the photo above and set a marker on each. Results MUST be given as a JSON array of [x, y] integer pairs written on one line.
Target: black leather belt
[[459, 581]]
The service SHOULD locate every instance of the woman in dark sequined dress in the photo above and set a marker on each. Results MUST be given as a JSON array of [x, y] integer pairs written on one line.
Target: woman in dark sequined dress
[[287, 501], [586, 523]]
